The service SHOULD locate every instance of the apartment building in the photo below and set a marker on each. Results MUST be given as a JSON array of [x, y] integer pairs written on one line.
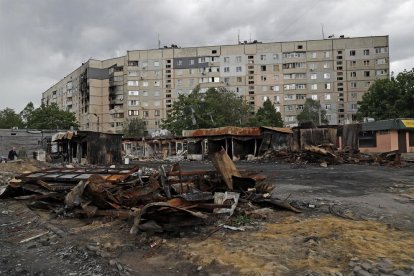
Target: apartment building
[[145, 83]]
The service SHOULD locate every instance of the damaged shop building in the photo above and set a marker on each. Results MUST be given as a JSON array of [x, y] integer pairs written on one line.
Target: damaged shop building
[[387, 135], [89, 147]]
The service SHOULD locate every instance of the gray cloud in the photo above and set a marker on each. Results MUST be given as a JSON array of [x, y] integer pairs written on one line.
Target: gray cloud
[[43, 40]]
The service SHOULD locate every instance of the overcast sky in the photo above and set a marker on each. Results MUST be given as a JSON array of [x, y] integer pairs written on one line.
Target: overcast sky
[[41, 41]]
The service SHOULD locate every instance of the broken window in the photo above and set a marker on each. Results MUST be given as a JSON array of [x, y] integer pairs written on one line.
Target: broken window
[[352, 52], [366, 52], [368, 139], [263, 68], [226, 59], [366, 73]]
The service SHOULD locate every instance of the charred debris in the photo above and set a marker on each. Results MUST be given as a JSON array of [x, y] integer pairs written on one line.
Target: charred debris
[[156, 200]]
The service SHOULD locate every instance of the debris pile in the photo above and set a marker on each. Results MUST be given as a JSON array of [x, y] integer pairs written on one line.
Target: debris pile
[[157, 200], [329, 155]]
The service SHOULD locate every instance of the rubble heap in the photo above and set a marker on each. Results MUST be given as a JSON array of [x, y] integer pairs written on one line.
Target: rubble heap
[[327, 154], [157, 200]]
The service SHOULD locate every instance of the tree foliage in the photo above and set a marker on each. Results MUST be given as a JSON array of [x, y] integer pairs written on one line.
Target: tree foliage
[[27, 112], [215, 108], [51, 117], [9, 119], [310, 113], [135, 127], [389, 98], [268, 116]]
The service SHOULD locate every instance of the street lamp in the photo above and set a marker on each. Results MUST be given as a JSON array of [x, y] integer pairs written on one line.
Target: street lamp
[[97, 125]]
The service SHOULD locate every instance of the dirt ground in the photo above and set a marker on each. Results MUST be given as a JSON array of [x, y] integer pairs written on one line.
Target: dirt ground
[[356, 219]]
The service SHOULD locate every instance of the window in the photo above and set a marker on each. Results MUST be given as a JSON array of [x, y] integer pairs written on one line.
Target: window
[[275, 56], [156, 63], [179, 72], [313, 55], [132, 83], [132, 73], [367, 84], [353, 74], [366, 52], [354, 106], [381, 61], [354, 95], [326, 65], [157, 83], [276, 77], [276, 67], [382, 72], [238, 69], [179, 82], [313, 76], [314, 86], [132, 63], [262, 57], [290, 118], [300, 47], [133, 93], [263, 78], [191, 61], [276, 99], [145, 113], [133, 103], [366, 74], [327, 106], [353, 84], [144, 64], [352, 53], [289, 107], [202, 59], [327, 96], [314, 97], [326, 75], [366, 62], [133, 112], [145, 93], [239, 79], [300, 96], [290, 97], [326, 54], [226, 69], [275, 88], [327, 86], [180, 62], [381, 50], [226, 59], [145, 83], [157, 112], [238, 59], [312, 66]]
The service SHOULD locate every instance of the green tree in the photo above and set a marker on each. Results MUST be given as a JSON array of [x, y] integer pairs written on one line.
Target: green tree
[[51, 117], [26, 112], [389, 98], [9, 119], [311, 111], [135, 128], [268, 116], [215, 108]]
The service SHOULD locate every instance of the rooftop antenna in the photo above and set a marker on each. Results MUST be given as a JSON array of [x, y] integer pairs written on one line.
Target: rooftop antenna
[[323, 33], [159, 41], [238, 36], [250, 37]]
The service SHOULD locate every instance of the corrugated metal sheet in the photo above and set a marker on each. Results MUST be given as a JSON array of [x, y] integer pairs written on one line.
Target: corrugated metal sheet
[[279, 129], [220, 131]]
